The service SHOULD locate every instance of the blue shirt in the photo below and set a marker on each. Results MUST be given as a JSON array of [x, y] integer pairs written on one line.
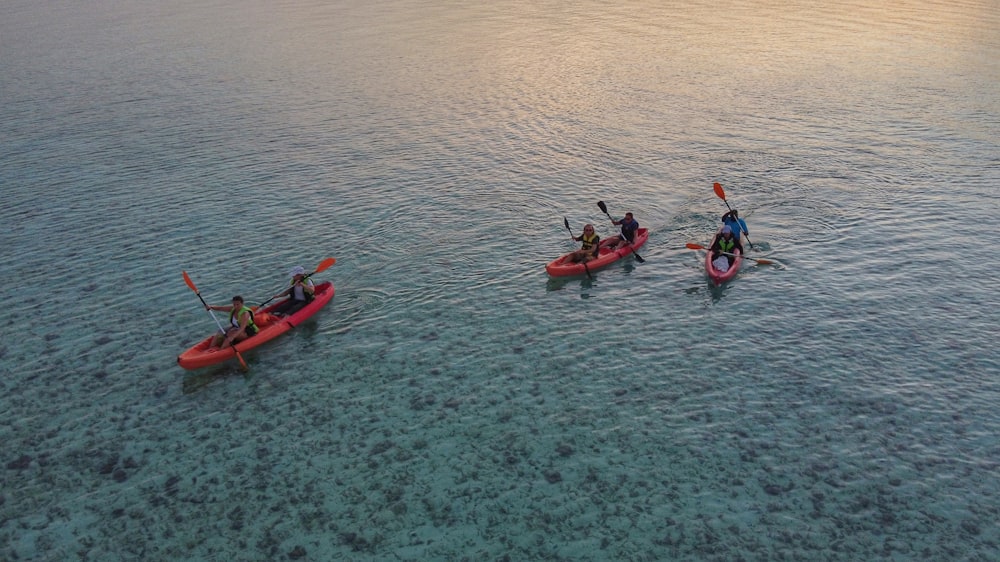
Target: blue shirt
[[736, 227], [629, 229]]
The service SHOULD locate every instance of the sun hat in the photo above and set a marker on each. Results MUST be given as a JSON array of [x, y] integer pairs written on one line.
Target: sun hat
[[297, 270]]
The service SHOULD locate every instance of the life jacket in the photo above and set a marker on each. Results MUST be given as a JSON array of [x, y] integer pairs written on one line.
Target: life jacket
[[629, 229], [727, 245], [306, 295], [234, 319], [590, 242]]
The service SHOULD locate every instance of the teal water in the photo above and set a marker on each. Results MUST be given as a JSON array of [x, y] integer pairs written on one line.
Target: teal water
[[453, 402]]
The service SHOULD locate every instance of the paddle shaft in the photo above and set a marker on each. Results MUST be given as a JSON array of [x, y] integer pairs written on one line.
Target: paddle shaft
[[760, 261], [584, 264]]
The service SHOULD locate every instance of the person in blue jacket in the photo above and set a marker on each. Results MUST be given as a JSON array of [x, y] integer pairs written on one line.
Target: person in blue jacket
[[629, 229], [735, 223]]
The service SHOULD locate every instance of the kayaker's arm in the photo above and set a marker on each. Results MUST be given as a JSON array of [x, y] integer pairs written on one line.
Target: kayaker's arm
[[307, 286], [286, 292]]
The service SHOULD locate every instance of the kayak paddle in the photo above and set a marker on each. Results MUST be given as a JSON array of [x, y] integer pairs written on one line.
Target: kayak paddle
[[585, 268], [190, 284], [323, 266], [692, 246], [722, 195], [604, 209]]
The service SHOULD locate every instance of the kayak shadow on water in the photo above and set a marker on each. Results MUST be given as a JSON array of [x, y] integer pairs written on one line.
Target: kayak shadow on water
[[194, 382], [717, 292], [307, 329], [560, 283], [714, 293]]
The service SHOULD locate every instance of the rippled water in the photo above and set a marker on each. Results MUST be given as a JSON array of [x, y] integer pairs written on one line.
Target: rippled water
[[453, 401]]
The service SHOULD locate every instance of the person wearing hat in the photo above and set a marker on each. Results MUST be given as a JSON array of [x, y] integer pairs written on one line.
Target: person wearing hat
[[300, 293], [241, 324], [735, 223], [725, 243], [629, 228]]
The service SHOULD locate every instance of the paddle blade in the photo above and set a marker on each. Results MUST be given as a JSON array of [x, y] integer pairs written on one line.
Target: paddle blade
[[566, 223], [693, 246], [325, 264], [718, 190], [764, 262], [604, 208], [189, 282], [243, 363]]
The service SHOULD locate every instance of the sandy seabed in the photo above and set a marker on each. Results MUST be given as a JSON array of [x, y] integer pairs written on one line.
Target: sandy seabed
[[385, 452]]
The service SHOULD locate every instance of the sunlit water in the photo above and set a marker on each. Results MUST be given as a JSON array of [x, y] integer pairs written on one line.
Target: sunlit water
[[453, 402]]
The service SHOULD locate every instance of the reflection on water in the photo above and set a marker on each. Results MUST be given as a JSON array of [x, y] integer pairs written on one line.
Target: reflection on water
[[194, 382], [582, 281], [449, 403]]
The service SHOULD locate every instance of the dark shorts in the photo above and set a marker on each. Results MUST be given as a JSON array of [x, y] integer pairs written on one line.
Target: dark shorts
[[290, 306], [250, 331]]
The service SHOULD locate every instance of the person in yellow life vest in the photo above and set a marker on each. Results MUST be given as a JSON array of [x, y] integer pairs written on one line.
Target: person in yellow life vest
[[300, 293], [591, 246], [724, 243], [240, 326]]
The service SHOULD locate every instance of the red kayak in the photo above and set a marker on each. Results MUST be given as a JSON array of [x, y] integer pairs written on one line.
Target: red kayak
[[720, 277], [606, 256], [268, 325]]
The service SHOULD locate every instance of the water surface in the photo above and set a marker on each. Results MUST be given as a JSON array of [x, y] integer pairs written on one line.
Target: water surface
[[452, 401]]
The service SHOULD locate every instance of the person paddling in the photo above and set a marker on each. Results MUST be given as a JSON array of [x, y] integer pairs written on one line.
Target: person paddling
[[300, 293], [725, 242], [735, 223], [241, 325], [590, 248], [629, 228]]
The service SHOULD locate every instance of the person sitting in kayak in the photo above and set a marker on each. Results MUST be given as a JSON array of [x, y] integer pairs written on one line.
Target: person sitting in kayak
[[300, 293], [241, 325], [589, 250], [629, 228], [726, 242], [735, 223]]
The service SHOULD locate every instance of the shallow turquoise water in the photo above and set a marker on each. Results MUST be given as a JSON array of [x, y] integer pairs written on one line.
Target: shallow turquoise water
[[452, 401]]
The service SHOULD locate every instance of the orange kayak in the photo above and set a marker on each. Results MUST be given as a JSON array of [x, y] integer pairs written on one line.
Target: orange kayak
[[269, 327], [606, 256], [720, 277]]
